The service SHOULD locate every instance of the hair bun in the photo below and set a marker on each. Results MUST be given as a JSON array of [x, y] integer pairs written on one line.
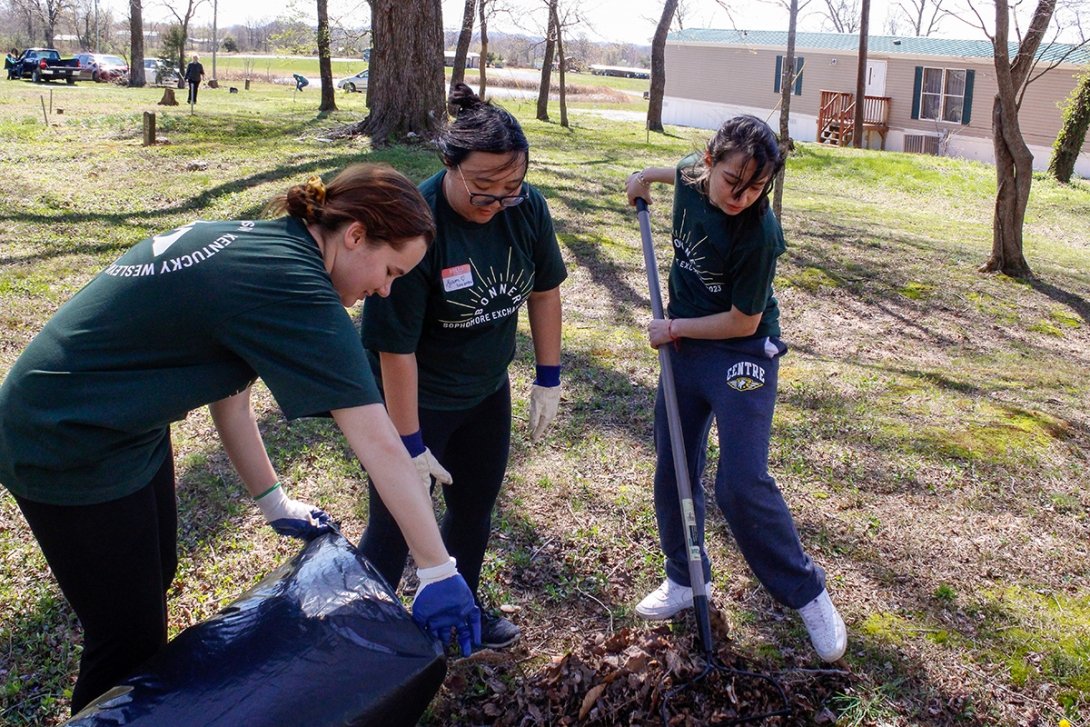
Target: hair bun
[[464, 98]]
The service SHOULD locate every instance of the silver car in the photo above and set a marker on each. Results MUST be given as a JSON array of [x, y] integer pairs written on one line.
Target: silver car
[[354, 83]]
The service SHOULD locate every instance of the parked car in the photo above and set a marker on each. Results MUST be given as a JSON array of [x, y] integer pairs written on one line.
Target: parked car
[[354, 83], [157, 72], [44, 65], [102, 67]]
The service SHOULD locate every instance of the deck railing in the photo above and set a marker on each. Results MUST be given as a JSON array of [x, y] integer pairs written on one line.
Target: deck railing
[[836, 116]]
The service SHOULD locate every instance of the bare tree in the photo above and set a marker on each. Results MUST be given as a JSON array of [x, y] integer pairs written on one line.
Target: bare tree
[[547, 65], [558, 29], [842, 16], [136, 44], [325, 67], [787, 85], [482, 8], [658, 66], [183, 19], [1013, 159], [406, 80], [923, 16], [47, 13], [465, 35]]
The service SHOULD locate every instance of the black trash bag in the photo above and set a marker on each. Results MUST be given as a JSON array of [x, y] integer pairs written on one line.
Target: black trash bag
[[322, 640]]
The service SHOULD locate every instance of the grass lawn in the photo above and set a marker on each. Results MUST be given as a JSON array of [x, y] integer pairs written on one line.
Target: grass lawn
[[931, 435]]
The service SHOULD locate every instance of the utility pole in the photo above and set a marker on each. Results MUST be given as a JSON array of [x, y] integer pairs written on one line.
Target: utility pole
[[861, 77]]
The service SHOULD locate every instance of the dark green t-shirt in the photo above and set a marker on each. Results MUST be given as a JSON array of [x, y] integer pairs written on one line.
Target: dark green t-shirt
[[458, 309], [720, 262], [180, 320]]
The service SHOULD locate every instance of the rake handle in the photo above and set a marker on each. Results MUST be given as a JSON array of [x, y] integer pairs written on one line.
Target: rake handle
[[677, 441]]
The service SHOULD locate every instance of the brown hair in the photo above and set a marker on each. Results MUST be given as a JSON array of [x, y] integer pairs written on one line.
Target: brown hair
[[377, 196]]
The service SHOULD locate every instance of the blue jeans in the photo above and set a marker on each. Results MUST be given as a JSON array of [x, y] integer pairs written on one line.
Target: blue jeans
[[735, 381]]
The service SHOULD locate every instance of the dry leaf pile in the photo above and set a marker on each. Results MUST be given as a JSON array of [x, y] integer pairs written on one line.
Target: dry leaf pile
[[622, 679]]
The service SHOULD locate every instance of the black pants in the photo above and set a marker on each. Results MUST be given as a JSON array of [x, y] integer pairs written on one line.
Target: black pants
[[193, 85], [473, 444], [114, 562]]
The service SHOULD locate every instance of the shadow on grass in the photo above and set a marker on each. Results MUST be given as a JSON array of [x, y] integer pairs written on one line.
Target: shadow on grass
[[290, 172], [1071, 300]]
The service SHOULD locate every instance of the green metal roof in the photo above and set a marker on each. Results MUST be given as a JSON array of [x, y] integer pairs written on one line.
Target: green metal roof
[[902, 45]]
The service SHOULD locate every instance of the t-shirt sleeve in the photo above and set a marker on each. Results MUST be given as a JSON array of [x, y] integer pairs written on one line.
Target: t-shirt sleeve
[[307, 352], [753, 268], [393, 324], [549, 269]]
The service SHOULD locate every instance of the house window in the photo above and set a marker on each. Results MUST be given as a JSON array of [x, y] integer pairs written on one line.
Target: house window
[[942, 96], [778, 78]]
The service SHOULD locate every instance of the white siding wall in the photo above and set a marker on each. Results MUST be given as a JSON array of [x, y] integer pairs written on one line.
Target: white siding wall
[[708, 83]]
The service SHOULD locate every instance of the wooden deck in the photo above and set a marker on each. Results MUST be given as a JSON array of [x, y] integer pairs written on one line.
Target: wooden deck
[[836, 117]]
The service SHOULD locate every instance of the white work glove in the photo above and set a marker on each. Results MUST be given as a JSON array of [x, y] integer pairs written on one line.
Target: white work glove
[[544, 401], [427, 466], [292, 517]]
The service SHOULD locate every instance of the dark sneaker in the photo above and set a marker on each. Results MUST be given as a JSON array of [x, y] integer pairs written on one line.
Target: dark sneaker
[[496, 631]]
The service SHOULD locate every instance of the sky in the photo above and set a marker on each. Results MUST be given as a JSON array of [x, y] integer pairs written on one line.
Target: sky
[[627, 21]]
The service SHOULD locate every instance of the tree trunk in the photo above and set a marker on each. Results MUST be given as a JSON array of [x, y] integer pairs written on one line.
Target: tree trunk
[[547, 67], [325, 66], [136, 44], [1013, 160], [560, 68], [407, 89], [658, 66], [483, 83], [1014, 174], [1068, 146], [861, 77], [787, 86], [458, 73]]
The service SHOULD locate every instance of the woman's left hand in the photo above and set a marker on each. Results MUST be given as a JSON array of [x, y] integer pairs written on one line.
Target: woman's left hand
[[658, 332]]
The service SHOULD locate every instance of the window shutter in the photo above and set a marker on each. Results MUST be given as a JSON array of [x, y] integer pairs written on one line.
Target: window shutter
[[967, 109], [798, 76], [779, 74], [917, 88]]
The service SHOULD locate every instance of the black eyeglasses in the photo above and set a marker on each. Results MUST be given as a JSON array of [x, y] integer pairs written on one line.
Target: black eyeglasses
[[480, 199]]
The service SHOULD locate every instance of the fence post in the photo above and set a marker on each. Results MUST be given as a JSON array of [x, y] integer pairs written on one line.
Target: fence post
[[149, 128]]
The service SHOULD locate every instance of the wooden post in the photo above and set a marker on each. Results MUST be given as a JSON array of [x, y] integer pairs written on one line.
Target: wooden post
[[44, 114], [149, 128], [247, 84]]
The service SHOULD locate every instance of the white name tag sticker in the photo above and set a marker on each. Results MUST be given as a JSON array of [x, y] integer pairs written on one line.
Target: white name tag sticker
[[457, 277]]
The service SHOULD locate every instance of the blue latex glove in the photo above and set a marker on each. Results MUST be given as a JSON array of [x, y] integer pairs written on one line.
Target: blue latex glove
[[291, 517], [443, 601]]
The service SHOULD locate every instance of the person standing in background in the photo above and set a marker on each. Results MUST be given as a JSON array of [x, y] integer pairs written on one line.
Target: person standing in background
[[194, 72]]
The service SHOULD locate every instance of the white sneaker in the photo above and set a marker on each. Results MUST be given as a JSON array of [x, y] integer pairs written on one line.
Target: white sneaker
[[827, 631], [667, 600]]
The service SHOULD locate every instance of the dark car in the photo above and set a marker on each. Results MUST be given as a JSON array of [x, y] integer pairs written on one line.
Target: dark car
[[102, 67]]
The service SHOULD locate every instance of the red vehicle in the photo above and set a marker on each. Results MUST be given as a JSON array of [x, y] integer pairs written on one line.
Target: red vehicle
[[102, 67]]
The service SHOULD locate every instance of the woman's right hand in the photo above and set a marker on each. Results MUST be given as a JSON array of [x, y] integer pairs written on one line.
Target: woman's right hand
[[443, 602], [637, 186]]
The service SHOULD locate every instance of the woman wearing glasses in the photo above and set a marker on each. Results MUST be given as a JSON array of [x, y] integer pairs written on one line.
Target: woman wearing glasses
[[442, 341]]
